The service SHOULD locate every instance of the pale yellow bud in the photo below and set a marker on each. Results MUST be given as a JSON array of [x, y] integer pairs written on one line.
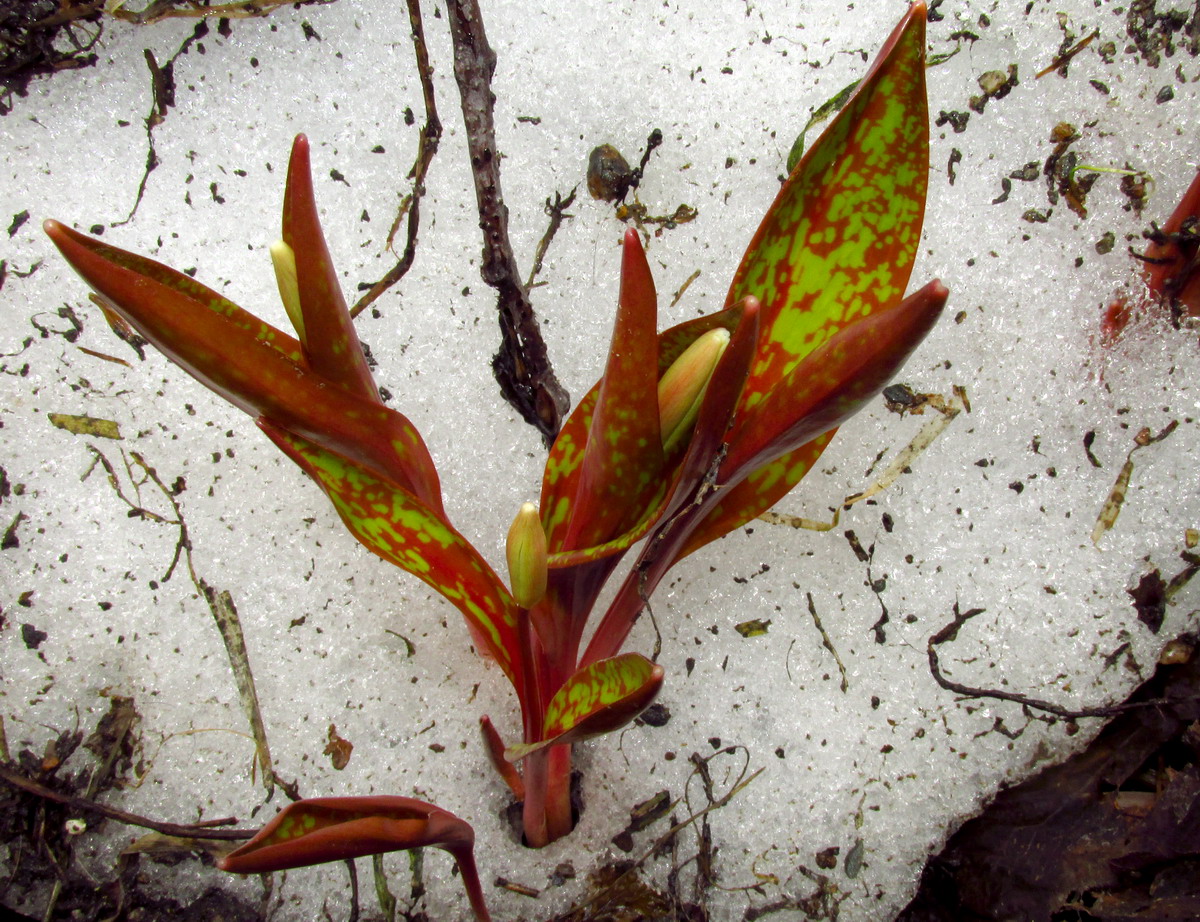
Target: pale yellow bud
[[289, 288], [681, 388], [526, 552]]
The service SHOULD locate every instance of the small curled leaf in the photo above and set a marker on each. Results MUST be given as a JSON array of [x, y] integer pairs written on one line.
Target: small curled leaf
[[324, 829]]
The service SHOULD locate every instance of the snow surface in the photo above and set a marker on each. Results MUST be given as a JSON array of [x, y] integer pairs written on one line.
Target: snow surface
[[997, 514]]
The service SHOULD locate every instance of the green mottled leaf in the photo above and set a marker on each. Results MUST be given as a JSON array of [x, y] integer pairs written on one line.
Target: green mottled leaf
[[597, 699], [675, 484], [561, 477], [390, 522], [323, 829], [834, 382], [839, 242], [607, 462], [838, 379], [756, 493], [622, 462], [222, 346], [116, 274]]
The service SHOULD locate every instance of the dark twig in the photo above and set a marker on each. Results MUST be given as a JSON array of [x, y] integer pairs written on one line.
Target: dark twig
[[204, 831], [653, 141], [1064, 59], [427, 145], [522, 366], [162, 87], [950, 632], [556, 211]]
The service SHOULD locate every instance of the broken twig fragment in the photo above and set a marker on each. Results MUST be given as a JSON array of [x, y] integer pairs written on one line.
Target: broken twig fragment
[[427, 145], [522, 365], [1116, 497]]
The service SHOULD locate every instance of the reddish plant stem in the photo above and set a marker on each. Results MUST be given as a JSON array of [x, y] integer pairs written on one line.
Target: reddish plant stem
[[547, 812], [652, 565], [559, 818], [465, 858], [533, 815]]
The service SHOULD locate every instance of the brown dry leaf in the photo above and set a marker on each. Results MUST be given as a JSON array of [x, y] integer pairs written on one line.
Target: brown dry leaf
[[338, 749], [624, 897], [170, 849], [1064, 842]]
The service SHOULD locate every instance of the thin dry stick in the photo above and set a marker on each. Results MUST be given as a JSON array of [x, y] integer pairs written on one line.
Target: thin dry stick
[[1065, 58], [220, 604], [950, 632], [556, 211], [522, 365], [427, 145], [204, 831]]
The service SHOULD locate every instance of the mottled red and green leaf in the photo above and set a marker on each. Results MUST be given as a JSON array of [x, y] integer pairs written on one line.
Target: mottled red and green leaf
[[840, 240], [390, 522], [599, 698]]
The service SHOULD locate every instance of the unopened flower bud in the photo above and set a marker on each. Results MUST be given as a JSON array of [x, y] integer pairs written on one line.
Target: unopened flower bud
[[289, 288], [526, 552], [681, 388]]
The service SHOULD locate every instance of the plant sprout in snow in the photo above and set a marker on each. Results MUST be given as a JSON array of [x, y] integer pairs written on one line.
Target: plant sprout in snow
[[689, 434]]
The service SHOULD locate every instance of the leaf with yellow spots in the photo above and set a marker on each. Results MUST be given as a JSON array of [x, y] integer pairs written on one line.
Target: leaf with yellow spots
[[622, 461], [323, 829], [829, 265], [125, 278], [839, 242], [607, 461], [597, 699], [254, 366], [757, 493], [829, 262], [833, 383], [676, 483], [391, 523]]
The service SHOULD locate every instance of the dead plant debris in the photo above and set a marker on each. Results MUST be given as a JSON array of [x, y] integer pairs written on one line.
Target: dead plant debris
[[85, 425], [522, 365], [1110, 835], [427, 147], [49, 803], [1116, 497], [337, 748]]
